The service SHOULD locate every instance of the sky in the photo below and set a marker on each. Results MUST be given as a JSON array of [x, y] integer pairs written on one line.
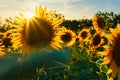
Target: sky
[[71, 9]]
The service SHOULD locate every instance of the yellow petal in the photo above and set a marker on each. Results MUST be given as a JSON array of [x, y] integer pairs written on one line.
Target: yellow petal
[[118, 26], [54, 46], [112, 30], [102, 53], [109, 71], [111, 78], [107, 60]]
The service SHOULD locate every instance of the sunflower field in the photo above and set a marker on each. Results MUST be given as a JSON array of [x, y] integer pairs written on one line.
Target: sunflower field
[[45, 46]]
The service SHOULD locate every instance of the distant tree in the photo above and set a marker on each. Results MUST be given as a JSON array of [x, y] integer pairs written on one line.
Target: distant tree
[[76, 25], [85, 23], [6, 24], [71, 24], [111, 19]]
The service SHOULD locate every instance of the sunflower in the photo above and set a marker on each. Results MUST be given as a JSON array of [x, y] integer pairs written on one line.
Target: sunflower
[[112, 53], [98, 23], [67, 37], [83, 35], [97, 41], [6, 41], [37, 32]]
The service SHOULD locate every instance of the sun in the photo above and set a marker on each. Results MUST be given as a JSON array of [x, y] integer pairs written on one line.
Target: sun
[[28, 14]]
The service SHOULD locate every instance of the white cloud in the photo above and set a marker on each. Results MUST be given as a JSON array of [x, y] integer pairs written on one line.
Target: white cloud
[[14, 6], [71, 9], [77, 11], [58, 0]]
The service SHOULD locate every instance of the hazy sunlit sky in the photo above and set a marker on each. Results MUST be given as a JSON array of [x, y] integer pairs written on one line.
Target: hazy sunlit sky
[[71, 9]]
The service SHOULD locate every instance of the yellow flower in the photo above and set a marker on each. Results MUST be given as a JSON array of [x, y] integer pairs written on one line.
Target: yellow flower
[[6, 41], [97, 41], [37, 32], [112, 53], [67, 37], [98, 23], [83, 35]]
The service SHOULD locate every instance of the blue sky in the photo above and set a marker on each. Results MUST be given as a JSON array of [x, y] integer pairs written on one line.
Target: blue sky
[[71, 9]]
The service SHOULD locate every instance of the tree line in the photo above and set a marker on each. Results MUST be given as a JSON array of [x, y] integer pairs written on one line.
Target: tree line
[[110, 18], [110, 21]]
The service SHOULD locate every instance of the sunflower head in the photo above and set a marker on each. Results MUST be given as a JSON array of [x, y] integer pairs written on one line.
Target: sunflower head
[[36, 32], [98, 23], [68, 37], [6, 41], [97, 41], [40, 32], [84, 35], [112, 52], [114, 39]]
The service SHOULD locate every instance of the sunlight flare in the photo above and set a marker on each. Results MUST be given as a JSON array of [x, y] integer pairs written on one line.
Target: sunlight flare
[[37, 32], [28, 14]]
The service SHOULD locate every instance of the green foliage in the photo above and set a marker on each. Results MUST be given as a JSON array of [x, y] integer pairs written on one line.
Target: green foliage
[[76, 25], [111, 19]]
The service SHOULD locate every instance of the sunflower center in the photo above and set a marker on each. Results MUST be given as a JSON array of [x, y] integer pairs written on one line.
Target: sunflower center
[[96, 40], [84, 34], [116, 52], [40, 33], [66, 37], [6, 42]]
